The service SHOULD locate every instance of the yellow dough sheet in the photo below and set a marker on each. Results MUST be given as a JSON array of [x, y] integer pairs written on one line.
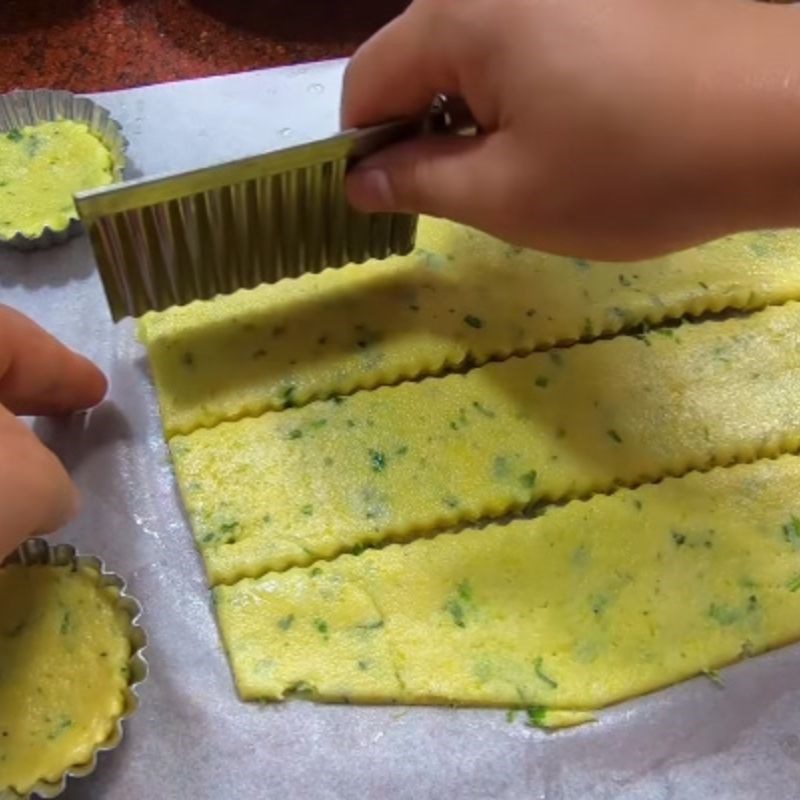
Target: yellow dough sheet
[[590, 604], [293, 486], [461, 296], [64, 649], [41, 167]]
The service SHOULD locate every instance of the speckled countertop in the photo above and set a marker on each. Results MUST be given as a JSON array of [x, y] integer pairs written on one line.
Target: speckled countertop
[[96, 45]]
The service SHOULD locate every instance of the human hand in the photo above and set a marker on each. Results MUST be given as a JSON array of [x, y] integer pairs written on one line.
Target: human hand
[[613, 129], [38, 375]]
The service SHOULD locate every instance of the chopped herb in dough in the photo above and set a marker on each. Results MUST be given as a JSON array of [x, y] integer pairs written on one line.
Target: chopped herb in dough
[[504, 453], [498, 616], [473, 321], [536, 716], [41, 167], [64, 650], [416, 339]]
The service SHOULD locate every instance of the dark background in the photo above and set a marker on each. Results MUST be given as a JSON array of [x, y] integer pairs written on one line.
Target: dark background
[[95, 45]]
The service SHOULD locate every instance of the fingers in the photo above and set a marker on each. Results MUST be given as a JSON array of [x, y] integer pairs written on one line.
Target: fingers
[[36, 494], [398, 71], [462, 179], [436, 46], [38, 375]]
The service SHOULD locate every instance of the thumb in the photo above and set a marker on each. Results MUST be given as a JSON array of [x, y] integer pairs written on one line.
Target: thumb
[[460, 178], [36, 494]]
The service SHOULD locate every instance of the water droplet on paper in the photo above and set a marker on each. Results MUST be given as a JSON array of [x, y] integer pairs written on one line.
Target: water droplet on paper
[[316, 88]]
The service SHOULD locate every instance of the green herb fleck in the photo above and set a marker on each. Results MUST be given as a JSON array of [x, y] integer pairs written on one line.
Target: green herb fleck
[[451, 502], [720, 353], [359, 548], [318, 423], [315, 572], [678, 538], [794, 584], [461, 422], [714, 677], [287, 397], [473, 322], [724, 615], [542, 675], [284, 623], [295, 433], [377, 461], [302, 688], [599, 604], [224, 534], [623, 281], [580, 556], [187, 359], [63, 724], [66, 623], [32, 145], [321, 627], [481, 409], [371, 626], [791, 532], [542, 381], [457, 605], [500, 468], [614, 436], [528, 480], [511, 714], [14, 135], [307, 510], [456, 611], [536, 716]]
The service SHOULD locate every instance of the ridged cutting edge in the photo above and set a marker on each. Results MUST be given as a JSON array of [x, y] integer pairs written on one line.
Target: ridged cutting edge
[[38, 551], [29, 107]]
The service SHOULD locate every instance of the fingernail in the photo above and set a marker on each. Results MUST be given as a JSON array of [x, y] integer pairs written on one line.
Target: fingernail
[[369, 189]]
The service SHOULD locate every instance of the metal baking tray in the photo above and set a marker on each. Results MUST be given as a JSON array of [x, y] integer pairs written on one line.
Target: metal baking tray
[[192, 737]]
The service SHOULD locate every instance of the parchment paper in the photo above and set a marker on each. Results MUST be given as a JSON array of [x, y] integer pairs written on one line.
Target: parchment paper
[[192, 737]]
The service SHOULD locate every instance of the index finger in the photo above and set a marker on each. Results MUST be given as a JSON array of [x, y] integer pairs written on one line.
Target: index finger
[[39, 375], [397, 72]]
